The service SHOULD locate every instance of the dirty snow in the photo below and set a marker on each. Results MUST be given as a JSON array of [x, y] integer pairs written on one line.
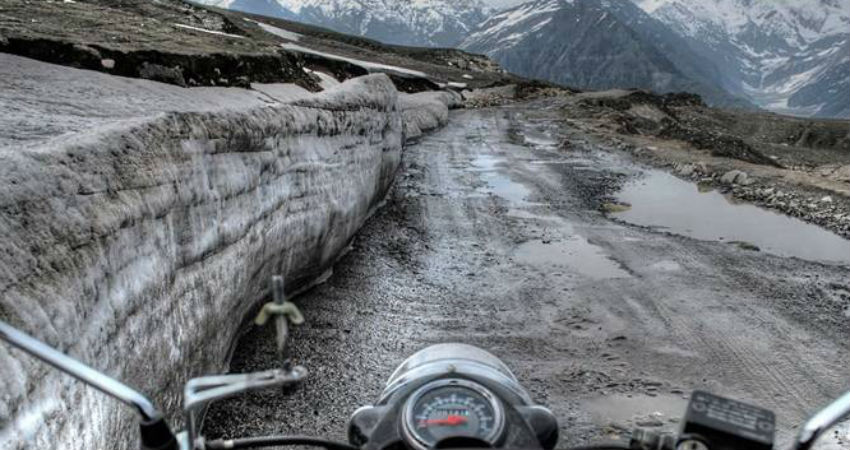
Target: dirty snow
[[325, 81], [282, 92], [43, 101]]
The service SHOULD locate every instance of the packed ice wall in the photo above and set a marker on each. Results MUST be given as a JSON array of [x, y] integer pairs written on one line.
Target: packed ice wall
[[139, 245]]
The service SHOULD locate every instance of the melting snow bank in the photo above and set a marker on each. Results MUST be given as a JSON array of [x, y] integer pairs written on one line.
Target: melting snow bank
[[426, 111], [139, 247]]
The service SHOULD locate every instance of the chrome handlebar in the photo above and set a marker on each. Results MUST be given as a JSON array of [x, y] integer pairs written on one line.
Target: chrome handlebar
[[80, 371], [200, 392]]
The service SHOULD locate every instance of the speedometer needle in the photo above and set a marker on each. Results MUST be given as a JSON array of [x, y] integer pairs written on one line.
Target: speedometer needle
[[449, 421]]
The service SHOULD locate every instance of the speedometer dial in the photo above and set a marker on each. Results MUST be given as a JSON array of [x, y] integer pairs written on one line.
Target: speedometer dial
[[452, 408]]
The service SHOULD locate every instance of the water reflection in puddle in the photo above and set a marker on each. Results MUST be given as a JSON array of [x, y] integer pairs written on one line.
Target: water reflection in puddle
[[497, 183], [539, 139], [663, 201], [574, 253]]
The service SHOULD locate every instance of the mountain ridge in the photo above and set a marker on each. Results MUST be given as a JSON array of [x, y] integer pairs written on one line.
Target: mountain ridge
[[791, 57], [428, 23], [545, 39]]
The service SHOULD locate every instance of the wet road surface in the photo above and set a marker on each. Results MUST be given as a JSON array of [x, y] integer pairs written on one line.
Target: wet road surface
[[493, 237]]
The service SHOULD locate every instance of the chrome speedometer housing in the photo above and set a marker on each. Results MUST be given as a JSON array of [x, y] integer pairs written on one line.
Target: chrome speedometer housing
[[482, 408], [441, 396]]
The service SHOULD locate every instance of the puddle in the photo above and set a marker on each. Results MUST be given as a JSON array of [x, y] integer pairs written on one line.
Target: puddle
[[484, 163], [574, 253], [663, 201], [630, 411], [539, 139], [666, 266], [573, 163], [497, 183]]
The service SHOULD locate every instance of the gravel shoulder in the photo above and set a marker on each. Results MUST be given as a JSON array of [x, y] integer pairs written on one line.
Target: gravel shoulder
[[493, 236]]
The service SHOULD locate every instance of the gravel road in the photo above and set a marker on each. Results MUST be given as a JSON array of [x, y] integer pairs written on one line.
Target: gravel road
[[493, 236]]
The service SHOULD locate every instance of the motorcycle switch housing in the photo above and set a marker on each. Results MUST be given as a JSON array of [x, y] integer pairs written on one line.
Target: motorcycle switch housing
[[724, 424]]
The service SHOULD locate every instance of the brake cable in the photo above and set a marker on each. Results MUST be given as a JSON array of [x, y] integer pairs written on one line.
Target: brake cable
[[275, 441]]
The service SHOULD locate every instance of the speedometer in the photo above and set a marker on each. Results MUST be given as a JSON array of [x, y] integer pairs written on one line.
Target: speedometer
[[452, 408]]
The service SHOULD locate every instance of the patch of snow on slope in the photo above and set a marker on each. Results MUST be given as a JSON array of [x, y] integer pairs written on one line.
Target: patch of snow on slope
[[651, 5], [365, 64], [771, 49], [279, 32], [798, 22], [204, 30], [514, 16]]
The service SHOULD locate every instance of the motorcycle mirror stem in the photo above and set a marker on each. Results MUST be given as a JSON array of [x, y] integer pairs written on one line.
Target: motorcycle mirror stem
[[155, 432]]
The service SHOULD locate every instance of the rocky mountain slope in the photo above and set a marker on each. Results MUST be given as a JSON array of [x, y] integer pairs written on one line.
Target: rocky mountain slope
[[180, 43], [596, 44], [432, 23], [786, 56]]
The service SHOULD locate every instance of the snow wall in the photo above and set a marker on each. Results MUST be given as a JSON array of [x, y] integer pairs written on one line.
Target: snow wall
[[140, 248]]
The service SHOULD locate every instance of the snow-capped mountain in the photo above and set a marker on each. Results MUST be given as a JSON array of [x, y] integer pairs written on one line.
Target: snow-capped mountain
[[596, 44], [790, 56], [432, 23]]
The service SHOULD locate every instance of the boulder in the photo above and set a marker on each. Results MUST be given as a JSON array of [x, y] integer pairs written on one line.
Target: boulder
[[841, 174], [734, 177], [686, 170]]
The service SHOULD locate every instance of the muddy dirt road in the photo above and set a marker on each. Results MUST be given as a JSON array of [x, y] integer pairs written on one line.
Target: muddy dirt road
[[493, 236]]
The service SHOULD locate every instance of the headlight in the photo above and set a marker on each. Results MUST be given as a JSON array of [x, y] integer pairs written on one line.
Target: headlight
[[454, 358]]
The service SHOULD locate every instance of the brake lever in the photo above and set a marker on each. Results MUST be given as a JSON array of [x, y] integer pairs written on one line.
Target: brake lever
[[202, 391]]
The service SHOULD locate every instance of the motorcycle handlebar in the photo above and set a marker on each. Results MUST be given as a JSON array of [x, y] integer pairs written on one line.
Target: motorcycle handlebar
[[80, 371], [155, 433], [275, 441]]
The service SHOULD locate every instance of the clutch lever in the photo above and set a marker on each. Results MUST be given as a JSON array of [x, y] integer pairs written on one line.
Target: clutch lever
[[202, 391]]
